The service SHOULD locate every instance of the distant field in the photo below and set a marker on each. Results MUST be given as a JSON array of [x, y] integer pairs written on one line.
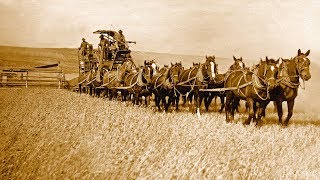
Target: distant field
[[30, 57], [57, 134]]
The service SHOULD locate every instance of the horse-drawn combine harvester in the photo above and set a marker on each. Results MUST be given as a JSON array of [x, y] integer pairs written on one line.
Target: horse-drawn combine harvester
[[111, 69], [99, 69]]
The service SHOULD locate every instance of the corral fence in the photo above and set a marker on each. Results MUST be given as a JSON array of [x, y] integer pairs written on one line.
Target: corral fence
[[47, 75]]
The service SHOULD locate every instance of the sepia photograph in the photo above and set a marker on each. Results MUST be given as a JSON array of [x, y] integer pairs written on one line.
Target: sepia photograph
[[166, 89]]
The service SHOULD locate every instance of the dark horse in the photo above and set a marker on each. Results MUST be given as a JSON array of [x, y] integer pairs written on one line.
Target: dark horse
[[193, 79], [252, 86], [113, 80], [289, 73], [138, 83], [163, 85]]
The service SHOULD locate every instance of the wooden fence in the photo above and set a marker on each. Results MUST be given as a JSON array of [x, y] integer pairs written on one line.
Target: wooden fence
[[48, 75]]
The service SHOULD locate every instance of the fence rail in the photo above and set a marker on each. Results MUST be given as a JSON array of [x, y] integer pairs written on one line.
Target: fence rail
[[49, 75]]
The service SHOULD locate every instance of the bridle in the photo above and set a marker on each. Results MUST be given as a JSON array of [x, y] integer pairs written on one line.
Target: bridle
[[299, 67], [172, 75], [206, 65], [260, 82]]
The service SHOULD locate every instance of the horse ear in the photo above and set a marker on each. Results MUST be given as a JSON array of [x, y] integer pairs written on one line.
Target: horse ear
[[307, 53], [241, 58], [145, 62], [267, 58], [279, 62], [234, 58], [299, 52], [172, 64], [206, 57]]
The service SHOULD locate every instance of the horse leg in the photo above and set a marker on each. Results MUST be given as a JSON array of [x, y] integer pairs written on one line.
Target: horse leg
[[136, 97], [190, 95], [110, 94], [290, 105], [197, 102], [90, 91], [228, 105], [184, 99], [177, 98], [133, 98], [251, 111], [247, 106], [275, 106], [167, 105], [279, 109], [163, 99], [222, 102], [157, 101], [80, 88], [208, 100], [172, 98], [236, 105], [146, 100]]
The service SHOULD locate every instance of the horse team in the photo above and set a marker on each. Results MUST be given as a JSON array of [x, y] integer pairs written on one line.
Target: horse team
[[268, 80]]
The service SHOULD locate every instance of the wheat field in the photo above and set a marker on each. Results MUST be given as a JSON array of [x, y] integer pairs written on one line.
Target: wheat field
[[55, 134]]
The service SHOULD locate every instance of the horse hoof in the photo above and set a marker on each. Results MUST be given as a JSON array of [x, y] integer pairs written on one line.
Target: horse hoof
[[246, 122], [198, 113]]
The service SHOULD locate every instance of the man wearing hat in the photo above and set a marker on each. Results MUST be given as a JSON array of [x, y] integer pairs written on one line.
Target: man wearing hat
[[103, 44], [83, 47], [122, 40]]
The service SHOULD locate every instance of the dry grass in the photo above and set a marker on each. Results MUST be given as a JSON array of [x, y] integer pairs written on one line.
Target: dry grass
[[59, 134]]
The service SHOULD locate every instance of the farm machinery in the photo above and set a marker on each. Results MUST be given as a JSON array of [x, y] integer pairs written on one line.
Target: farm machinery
[[111, 53]]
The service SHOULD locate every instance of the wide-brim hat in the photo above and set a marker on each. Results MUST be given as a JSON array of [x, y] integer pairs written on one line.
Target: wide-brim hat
[[83, 39]]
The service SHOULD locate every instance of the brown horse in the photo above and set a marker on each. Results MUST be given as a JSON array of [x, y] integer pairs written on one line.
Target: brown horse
[[193, 79], [238, 64], [218, 82], [163, 85], [252, 86], [113, 80], [289, 73], [138, 83]]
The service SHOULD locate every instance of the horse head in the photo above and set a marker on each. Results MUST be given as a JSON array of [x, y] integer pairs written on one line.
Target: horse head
[[146, 74], [267, 71], [195, 65], [153, 65], [210, 68], [302, 64], [174, 72], [238, 64]]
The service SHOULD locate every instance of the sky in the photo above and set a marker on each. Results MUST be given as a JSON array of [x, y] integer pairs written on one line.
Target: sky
[[247, 28]]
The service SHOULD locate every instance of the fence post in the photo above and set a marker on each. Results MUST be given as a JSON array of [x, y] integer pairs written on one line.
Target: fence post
[[59, 77], [27, 79]]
